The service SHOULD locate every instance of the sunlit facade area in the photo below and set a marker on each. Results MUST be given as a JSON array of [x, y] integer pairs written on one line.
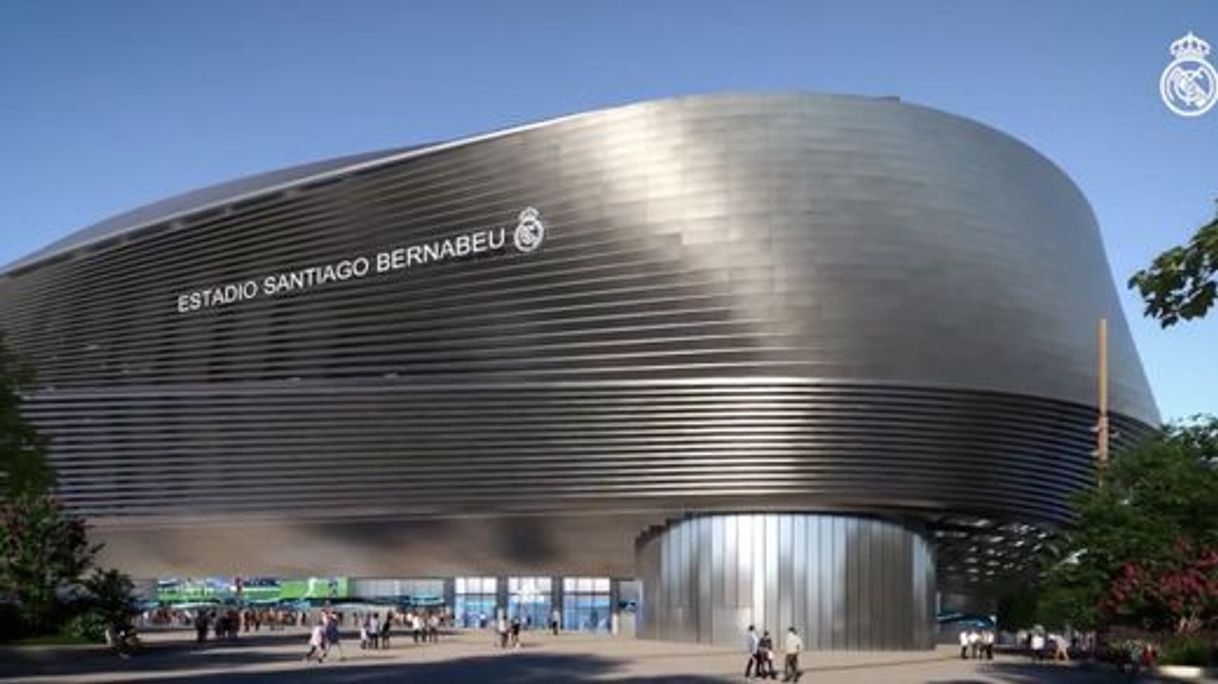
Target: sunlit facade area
[[668, 369]]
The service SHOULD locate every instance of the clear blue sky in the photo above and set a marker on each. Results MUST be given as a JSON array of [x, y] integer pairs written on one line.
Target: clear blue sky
[[108, 105]]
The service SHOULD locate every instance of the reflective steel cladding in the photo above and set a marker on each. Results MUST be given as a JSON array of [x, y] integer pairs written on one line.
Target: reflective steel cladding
[[542, 348]]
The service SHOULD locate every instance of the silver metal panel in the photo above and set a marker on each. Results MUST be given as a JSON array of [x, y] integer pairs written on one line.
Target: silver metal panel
[[797, 555], [743, 303]]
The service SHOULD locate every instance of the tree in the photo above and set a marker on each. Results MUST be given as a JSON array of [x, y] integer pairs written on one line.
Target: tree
[[44, 548], [44, 551], [23, 463], [111, 595], [1144, 550], [1181, 283]]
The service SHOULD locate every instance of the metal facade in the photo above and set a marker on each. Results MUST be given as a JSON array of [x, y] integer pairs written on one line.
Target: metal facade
[[742, 303], [844, 583]]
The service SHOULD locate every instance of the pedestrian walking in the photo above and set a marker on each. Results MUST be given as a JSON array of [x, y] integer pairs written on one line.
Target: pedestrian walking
[[317, 643], [792, 645], [751, 643], [765, 651], [515, 628], [1038, 646], [386, 628], [333, 638], [201, 627], [964, 644], [501, 630], [374, 630]]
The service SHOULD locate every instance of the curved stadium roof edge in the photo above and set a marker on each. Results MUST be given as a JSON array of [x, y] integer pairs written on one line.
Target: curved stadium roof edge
[[248, 187], [244, 188]]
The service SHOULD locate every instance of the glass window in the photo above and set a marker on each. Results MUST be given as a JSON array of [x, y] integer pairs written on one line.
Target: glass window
[[586, 604], [475, 601], [529, 601]]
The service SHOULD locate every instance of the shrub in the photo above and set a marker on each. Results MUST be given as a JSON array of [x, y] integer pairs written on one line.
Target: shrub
[[1188, 650], [89, 625]]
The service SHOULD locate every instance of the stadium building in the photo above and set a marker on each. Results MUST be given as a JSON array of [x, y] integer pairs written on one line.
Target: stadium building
[[797, 359]]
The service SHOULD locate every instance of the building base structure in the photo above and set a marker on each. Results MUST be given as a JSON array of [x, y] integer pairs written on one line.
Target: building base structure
[[844, 582]]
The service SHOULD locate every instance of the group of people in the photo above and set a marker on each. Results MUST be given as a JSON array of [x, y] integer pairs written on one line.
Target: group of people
[[374, 631], [424, 628], [225, 623], [1039, 647], [248, 620], [324, 637], [980, 644], [508, 633], [762, 657]]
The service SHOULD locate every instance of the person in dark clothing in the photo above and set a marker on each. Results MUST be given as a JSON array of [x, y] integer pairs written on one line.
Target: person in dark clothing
[[765, 654], [201, 627], [386, 628]]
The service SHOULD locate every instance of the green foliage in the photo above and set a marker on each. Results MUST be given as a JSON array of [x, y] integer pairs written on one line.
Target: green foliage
[[87, 626], [43, 552], [1181, 283], [44, 548], [1188, 650], [1144, 551], [23, 464], [1019, 608], [111, 595]]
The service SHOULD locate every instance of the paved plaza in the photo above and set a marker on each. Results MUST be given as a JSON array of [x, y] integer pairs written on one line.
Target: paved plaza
[[470, 657]]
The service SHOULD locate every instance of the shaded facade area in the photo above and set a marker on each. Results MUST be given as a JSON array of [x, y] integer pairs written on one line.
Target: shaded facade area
[[511, 355]]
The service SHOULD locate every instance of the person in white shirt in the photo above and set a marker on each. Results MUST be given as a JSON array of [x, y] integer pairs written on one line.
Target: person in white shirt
[[791, 647], [963, 644], [987, 644], [1038, 646], [751, 641], [374, 630], [317, 643]]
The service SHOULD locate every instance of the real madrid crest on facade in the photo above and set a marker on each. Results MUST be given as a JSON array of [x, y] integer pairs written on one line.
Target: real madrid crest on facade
[[530, 231], [1189, 85]]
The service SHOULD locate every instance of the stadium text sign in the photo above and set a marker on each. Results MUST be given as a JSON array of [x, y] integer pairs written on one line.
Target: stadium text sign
[[527, 237]]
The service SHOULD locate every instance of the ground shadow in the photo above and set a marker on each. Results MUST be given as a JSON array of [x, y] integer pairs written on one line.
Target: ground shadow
[[156, 658], [1047, 673], [504, 668]]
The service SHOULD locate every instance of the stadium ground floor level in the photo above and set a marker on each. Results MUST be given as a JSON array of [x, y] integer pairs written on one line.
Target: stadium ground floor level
[[844, 581]]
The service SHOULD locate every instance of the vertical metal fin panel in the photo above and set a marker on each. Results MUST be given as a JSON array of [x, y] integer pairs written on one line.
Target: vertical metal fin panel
[[844, 583]]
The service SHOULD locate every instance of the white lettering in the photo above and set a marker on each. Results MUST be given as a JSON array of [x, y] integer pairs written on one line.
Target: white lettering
[[404, 258]]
